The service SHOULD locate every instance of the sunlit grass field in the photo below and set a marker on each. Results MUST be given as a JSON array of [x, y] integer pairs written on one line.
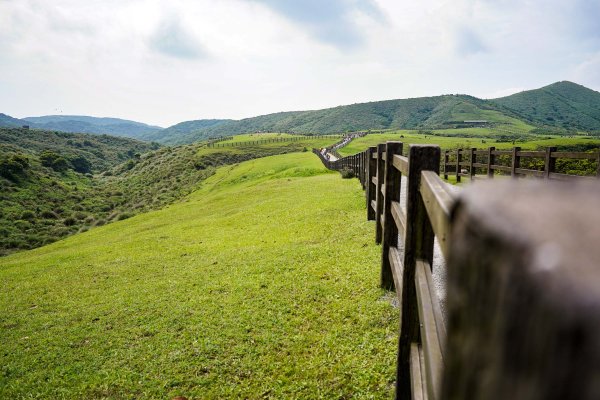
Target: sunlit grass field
[[261, 284], [473, 137]]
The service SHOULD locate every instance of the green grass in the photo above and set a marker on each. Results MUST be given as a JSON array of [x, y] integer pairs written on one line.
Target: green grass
[[250, 137], [466, 138], [261, 284]]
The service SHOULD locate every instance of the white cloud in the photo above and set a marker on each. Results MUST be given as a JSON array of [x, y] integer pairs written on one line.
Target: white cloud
[[162, 61]]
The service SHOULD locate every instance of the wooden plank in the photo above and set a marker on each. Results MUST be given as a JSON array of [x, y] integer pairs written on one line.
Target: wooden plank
[[397, 269], [371, 184], [383, 156], [440, 324], [415, 373], [438, 199], [374, 156], [532, 154], [401, 163], [390, 230], [531, 172], [432, 350], [574, 155], [480, 165], [501, 168], [418, 244], [399, 216], [501, 152], [480, 152], [378, 192], [565, 177], [516, 161]]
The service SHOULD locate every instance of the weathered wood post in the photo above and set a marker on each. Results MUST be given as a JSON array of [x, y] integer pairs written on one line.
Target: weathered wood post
[[371, 185], [418, 245], [550, 162], [390, 230], [516, 161], [379, 194], [491, 162], [523, 296], [458, 161], [472, 160], [446, 161]]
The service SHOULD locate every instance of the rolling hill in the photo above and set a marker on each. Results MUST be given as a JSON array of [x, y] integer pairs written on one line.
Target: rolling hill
[[85, 124], [562, 104], [164, 305], [179, 133]]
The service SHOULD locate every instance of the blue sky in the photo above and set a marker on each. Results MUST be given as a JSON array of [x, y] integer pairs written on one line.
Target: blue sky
[[162, 62]]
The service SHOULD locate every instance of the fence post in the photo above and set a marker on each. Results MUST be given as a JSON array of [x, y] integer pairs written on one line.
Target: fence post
[[390, 229], [472, 160], [378, 194], [491, 162], [446, 160], [418, 245], [370, 186], [550, 163], [598, 164], [458, 160], [516, 162]]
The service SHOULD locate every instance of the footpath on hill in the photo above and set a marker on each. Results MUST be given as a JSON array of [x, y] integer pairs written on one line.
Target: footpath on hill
[[261, 284]]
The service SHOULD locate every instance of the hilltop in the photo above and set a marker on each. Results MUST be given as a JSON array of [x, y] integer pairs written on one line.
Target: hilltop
[[562, 104], [86, 124], [561, 108]]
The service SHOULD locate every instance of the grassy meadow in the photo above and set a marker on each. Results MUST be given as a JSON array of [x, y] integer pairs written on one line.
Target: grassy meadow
[[261, 284], [466, 138]]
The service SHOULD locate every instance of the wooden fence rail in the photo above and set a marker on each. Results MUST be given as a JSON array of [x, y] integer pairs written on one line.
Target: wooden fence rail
[[470, 162], [216, 142], [407, 237]]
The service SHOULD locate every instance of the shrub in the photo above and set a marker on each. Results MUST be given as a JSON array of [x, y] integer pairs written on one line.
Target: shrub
[[347, 173], [48, 214], [69, 221], [28, 215]]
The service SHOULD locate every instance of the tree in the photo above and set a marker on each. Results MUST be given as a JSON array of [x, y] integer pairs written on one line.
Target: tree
[[81, 164]]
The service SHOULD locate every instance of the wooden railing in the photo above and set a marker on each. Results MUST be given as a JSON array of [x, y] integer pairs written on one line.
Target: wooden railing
[[474, 163], [214, 143], [407, 235]]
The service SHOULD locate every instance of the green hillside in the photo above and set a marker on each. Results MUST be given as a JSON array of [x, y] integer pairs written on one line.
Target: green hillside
[[47, 191], [180, 132], [426, 113], [6, 121], [562, 104], [86, 124], [262, 284]]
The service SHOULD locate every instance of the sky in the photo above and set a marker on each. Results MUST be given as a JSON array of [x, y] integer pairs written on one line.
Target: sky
[[166, 61]]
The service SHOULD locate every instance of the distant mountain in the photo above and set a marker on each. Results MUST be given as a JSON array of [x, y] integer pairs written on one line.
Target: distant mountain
[[562, 104], [426, 112], [180, 132], [6, 121], [85, 124]]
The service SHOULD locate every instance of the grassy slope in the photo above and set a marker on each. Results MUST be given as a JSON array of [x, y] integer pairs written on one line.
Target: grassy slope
[[262, 284], [562, 104]]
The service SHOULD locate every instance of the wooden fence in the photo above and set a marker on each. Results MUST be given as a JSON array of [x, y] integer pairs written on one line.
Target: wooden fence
[[407, 237], [475, 163], [265, 141]]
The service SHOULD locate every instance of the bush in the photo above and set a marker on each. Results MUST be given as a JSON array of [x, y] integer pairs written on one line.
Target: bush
[[69, 221], [347, 173], [28, 215], [48, 214]]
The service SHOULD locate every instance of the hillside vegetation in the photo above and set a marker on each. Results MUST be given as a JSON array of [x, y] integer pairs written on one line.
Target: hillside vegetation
[[47, 191], [562, 104], [262, 284], [85, 124]]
